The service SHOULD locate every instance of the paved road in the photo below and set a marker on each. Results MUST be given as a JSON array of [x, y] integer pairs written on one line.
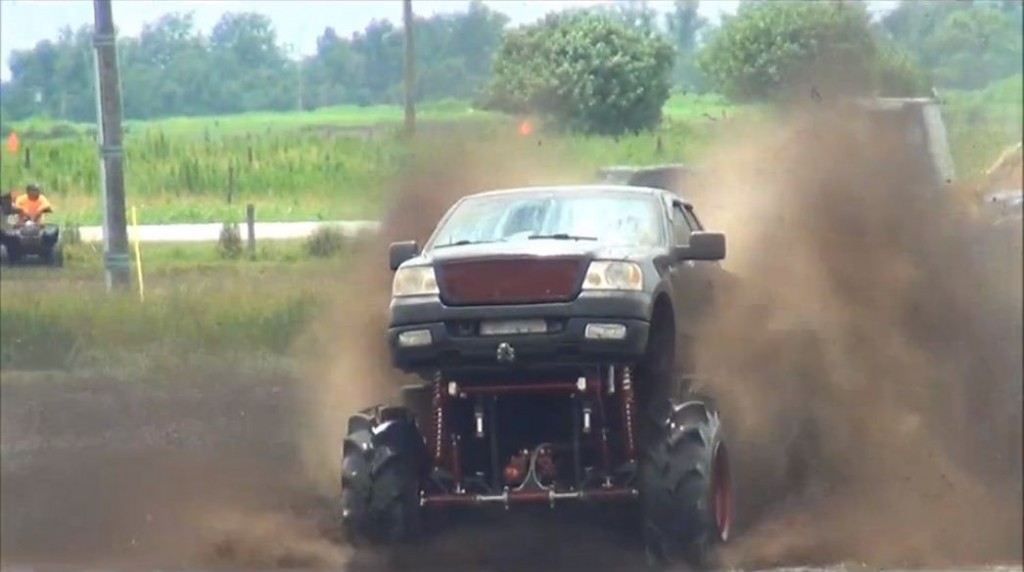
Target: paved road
[[210, 232]]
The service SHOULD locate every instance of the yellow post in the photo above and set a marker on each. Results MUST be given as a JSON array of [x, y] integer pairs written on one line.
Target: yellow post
[[138, 255]]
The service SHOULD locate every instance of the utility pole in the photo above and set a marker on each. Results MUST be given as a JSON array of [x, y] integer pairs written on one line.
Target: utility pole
[[410, 70], [108, 111]]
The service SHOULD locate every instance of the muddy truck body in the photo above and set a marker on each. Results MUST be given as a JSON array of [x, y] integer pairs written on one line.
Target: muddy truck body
[[544, 324]]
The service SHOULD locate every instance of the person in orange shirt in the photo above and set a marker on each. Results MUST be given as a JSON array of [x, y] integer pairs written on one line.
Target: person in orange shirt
[[32, 205]]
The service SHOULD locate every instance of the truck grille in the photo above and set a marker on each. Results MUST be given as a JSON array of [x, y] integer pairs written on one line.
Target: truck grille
[[510, 281]]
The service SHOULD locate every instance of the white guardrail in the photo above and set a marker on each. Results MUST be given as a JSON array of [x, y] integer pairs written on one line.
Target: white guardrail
[[210, 232]]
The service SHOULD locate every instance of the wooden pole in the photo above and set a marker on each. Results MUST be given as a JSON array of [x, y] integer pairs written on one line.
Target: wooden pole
[[410, 69], [250, 223], [108, 103]]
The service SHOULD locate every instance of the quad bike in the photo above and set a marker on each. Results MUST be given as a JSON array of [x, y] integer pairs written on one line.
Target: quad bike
[[32, 240], [550, 374]]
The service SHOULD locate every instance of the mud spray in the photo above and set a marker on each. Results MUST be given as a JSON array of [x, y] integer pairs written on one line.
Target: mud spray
[[869, 366], [870, 363]]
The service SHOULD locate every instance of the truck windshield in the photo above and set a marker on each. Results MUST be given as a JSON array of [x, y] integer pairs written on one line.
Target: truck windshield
[[605, 217]]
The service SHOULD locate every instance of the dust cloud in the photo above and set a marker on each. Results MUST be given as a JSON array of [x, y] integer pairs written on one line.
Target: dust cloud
[[868, 359], [869, 363]]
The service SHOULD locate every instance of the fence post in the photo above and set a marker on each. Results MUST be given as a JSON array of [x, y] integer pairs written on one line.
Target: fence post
[[250, 223]]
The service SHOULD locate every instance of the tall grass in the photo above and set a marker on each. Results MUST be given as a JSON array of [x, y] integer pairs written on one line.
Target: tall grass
[[983, 123], [319, 175], [336, 163], [191, 170], [236, 310]]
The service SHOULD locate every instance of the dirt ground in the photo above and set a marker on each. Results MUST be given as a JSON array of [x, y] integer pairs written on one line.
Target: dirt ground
[[870, 373], [206, 473]]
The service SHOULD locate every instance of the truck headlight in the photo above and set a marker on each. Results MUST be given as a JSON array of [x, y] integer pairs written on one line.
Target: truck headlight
[[613, 275], [414, 281]]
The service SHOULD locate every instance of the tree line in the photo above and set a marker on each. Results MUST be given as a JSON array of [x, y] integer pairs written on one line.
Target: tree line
[[173, 69]]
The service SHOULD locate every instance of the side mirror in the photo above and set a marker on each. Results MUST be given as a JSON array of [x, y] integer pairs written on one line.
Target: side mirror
[[703, 246], [399, 252]]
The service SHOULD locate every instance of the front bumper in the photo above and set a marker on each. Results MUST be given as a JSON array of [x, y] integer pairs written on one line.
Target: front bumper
[[456, 344]]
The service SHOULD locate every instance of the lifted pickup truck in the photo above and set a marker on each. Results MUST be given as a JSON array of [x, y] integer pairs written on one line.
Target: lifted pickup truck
[[544, 323]]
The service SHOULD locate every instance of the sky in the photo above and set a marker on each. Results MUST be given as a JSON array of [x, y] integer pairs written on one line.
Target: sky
[[23, 23]]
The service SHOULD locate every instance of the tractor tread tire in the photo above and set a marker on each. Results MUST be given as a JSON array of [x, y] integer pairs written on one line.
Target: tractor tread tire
[[676, 489], [379, 498]]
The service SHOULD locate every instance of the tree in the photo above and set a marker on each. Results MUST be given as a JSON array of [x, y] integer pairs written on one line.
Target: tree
[[963, 45], [775, 50], [977, 46], [585, 71], [684, 26], [897, 74]]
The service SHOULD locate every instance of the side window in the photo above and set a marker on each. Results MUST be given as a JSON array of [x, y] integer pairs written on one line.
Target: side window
[[680, 228]]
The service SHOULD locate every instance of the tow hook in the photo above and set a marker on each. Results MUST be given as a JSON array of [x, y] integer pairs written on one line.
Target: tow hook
[[506, 353]]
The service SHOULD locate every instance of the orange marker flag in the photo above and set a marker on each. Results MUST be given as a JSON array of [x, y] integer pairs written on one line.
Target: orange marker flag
[[525, 128], [12, 142]]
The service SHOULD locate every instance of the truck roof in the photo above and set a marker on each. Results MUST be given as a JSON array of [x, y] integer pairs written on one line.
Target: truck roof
[[584, 188]]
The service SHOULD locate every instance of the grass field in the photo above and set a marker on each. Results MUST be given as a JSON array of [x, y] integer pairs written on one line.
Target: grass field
[[326, 165], [196, 305], [983, 123], [336, 163]]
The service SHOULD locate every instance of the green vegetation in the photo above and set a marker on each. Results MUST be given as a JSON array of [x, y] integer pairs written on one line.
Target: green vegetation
[[584, 72], [241, 309], [171, 69], [180, 171], [780, 50], [174, 174], [962, 45], [197, 303], [983, 123]]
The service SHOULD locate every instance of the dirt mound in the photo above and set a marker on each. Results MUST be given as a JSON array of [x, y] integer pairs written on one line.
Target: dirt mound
[[870, 366]]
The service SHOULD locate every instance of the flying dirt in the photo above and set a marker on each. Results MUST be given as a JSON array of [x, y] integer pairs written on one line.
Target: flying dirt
[[868, 365]]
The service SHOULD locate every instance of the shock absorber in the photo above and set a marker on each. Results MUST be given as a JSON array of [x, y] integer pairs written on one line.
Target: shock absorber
[[437, 435], [628, 405]]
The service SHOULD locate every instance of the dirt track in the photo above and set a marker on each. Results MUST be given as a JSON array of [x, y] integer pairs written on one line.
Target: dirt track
[[201, 473]]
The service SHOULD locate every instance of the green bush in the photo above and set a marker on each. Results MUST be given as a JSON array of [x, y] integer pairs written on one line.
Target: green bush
[[775, 50], [229, 244], [896, 74], [326, 242], [585, 71]]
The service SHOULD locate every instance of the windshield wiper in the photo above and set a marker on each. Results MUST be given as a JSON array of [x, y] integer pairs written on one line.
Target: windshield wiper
[[561, 236]]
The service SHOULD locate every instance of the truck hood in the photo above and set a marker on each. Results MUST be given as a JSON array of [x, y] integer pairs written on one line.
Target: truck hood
[[539, 248]]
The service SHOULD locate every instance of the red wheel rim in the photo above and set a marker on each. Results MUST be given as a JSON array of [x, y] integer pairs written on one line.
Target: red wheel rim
[[722, 492]]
